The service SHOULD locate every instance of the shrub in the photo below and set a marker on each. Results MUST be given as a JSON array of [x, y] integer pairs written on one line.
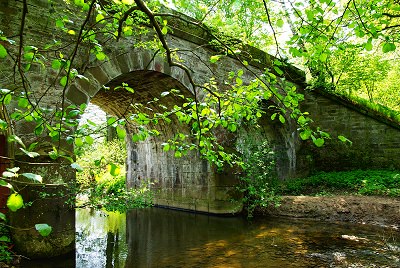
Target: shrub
[[258, 183]]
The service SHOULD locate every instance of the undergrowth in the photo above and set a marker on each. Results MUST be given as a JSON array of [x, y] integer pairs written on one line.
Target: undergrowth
[[361, 182], [102, 182]]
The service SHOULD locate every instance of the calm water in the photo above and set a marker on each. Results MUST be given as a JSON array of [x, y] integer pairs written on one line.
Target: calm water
[[164, 238]]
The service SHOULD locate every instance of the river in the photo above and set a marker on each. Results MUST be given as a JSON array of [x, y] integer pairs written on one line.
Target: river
[[156, 237]]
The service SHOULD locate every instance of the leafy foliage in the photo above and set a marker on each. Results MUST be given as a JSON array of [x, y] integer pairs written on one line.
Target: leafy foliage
[[258, 183], [363, 182], [103, 179]]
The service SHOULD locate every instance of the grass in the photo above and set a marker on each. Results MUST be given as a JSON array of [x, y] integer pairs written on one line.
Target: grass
[[357, 182]]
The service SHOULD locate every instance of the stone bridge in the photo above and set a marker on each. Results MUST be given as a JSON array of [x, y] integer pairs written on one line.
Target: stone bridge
[[189, 182]]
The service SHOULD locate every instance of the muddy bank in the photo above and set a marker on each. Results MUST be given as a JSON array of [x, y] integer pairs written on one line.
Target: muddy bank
[[361, 209]]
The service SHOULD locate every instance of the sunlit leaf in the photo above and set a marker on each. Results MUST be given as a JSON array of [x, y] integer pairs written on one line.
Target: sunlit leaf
[[279, 22], [114, 169], [15, 202], [3, 52], [34, 177], [78, 142], [63, 81], [165, 146], [56, 64], [43, 229], [319, 142], [3, 125], [4, 238], [89, 140], [77, 167], [3, 216], [121, 132], [215, 58], [100, 56], [282, 119], [8, 174], [30, 154], [99, 17], [388, 47]]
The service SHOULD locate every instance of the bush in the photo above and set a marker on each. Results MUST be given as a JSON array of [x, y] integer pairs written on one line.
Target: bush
[[112, 195], [258, 183]]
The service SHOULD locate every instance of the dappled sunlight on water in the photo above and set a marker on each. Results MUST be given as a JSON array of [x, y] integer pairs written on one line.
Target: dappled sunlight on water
[[165, 238]]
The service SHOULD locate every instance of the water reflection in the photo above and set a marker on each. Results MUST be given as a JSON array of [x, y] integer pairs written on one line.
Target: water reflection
[[164, 238]]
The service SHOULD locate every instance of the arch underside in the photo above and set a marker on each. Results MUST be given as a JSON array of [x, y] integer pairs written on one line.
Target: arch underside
[[188, 182]]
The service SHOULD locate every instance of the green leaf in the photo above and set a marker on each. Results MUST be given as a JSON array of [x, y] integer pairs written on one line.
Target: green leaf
[[319, 142], [79, 2], [273, 116], [59, 23], [4, 238], [16, 139], [89, 140], [278, 70], [23, 102], [39, 129], [100, 56], [305, 134], [114, 169], [178, 154], [30, 154], [135, 138], [29, 56], [63, 81], [166, 147], [43, 229], [7, 99], [282, 119], [164, 30], [3, 52], [15, 202], [6, 184], [368, 46], [344, 139], [56, 64], [8, 174], [121, 132], [388, 47], [215, 58], [77, 167], [280, 22], [3, 125], [3, 216], [34, 177], [99, 17], [323, 57]]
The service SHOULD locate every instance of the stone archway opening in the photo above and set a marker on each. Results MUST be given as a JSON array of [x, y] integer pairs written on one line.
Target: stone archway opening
[[178, 182], [187, 182]]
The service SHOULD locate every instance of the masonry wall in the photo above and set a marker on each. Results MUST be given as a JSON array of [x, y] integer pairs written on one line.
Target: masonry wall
[[375, 144]]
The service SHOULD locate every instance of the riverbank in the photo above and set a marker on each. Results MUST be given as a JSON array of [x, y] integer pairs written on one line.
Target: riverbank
[[381, 211]]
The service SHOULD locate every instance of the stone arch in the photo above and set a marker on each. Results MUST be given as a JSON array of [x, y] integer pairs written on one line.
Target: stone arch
[[137, 60], [185, 183]]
